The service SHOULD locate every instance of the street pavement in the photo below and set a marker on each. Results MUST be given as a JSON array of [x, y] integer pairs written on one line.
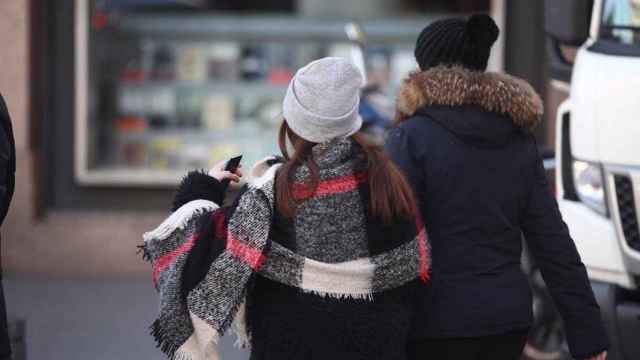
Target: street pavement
[[89, 319]]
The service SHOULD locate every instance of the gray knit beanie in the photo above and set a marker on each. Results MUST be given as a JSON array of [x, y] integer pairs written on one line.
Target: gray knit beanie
[[322, 100]]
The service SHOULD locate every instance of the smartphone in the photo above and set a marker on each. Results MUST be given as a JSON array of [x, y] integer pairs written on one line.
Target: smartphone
[[232, 166], [233, 163]]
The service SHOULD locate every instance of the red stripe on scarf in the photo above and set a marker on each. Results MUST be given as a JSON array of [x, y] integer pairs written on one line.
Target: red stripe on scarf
[[167, 259], [250, 255], [220, 228], [331, 186], [422, 249]]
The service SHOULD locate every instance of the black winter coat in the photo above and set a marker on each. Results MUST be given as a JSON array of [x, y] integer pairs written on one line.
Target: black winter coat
[[465, 145], [7, 160], [7, 181]]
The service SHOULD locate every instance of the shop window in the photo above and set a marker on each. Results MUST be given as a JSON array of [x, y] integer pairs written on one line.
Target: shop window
[[621, 21], [159, 92]]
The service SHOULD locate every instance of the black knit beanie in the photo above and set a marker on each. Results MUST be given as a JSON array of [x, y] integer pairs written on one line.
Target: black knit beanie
[[457, 42]]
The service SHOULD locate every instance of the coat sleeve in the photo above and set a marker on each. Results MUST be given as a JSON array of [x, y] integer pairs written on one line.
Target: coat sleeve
[[562, 269], [7, 182], [7, 161], [5, 186]]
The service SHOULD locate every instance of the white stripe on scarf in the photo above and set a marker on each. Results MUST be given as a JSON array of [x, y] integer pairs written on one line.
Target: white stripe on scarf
[[349, 279], [179, 219]]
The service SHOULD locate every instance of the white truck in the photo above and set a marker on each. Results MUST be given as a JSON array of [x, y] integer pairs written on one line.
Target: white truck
[[598, 151]]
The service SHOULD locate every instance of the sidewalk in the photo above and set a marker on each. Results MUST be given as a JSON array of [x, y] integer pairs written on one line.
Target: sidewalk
[[89, 319]]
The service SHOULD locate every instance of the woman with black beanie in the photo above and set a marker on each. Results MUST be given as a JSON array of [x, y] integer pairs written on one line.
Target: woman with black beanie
[[464, 139]]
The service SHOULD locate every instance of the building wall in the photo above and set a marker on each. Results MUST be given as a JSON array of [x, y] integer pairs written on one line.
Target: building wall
[[13, 64], [63, 243]]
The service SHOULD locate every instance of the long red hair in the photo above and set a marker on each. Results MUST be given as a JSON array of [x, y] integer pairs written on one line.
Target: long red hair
[[391, 196]]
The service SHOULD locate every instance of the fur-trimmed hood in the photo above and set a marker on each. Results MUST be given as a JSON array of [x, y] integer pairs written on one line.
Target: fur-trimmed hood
[[456, 86]]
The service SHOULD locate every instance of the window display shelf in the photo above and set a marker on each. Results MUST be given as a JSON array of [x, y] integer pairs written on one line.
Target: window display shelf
[[260, 27], [227, 87]]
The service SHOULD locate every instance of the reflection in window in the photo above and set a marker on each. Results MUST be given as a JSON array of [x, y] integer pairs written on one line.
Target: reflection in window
[[621, 20]]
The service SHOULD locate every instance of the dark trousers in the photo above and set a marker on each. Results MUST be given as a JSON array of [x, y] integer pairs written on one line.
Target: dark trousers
[[495, 347]]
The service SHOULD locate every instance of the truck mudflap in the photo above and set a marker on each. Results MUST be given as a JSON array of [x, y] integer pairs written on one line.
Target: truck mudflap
[[621, 315]]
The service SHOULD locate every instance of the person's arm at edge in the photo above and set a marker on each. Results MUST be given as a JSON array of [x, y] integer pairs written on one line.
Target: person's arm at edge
[[562, 269]]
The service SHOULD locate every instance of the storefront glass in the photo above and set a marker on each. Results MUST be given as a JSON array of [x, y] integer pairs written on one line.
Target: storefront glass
[[621, 21], [160, 92]]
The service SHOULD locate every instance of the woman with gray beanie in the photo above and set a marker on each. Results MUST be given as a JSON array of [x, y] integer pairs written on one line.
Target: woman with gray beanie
[[318, 258], [464, 140]]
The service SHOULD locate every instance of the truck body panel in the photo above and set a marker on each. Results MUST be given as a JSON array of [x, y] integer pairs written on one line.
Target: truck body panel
[[605, 93]]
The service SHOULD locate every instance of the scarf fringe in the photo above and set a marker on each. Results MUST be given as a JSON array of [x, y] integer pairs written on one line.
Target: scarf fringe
[[146, 254], [242, 342], [239, 328], [163, 341], [368, 296], [182, 356], [233, 315]]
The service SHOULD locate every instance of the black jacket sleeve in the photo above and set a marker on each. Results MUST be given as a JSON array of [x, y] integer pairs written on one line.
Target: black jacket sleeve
[[562, 269], [7, 181], [7, 161], [198, 185]]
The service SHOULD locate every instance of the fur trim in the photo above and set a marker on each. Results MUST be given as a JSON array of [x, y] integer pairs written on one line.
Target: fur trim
[[198, 185], [456, 86]]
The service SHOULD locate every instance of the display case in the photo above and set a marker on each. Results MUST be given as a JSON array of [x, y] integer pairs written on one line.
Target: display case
[[159, 93]]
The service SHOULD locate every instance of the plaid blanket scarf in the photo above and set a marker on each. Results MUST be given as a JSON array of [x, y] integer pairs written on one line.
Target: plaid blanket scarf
[[204, 257]]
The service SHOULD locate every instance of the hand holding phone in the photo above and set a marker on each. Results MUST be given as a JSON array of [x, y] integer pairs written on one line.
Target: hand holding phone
[[226, 171], [233, 164]]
